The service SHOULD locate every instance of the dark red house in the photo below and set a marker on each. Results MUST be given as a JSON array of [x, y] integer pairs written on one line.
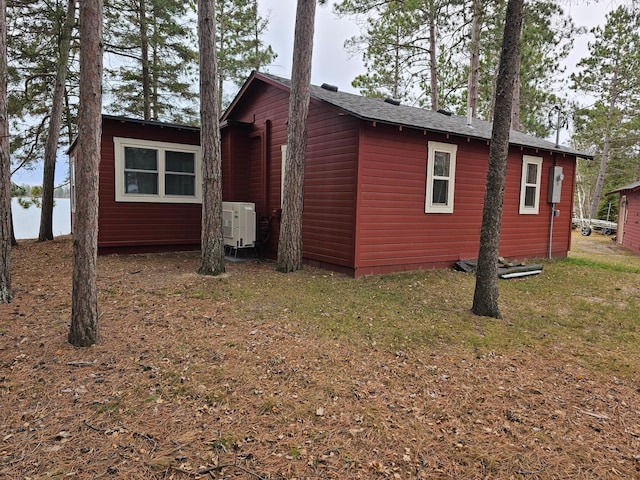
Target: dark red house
[[390, 187], [150, 188], [628, 234]]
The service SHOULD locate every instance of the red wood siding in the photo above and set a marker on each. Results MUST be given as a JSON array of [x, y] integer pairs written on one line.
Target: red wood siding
[[631, 235], [128, 226], [527, 236], [330, 187], [393, 231], [234, 162], [364, 208]]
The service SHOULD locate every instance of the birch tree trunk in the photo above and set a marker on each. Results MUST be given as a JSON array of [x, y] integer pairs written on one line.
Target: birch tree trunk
[[55, 121], [485, 299], [212, 241], [84, 302], [5, 167], [606, 150], [290, 241]]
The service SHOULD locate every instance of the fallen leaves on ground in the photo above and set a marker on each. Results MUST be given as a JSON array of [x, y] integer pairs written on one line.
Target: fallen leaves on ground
[[182, 386]]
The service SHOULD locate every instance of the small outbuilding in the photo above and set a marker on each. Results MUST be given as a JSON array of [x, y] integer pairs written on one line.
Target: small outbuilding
[[628, 234]]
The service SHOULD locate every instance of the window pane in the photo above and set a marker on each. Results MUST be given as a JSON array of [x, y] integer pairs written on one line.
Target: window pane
[[532, 173], [180, 161], [440, 194], [140, 159], [530, 197], [180, 185], [139, 182], [441, 164]]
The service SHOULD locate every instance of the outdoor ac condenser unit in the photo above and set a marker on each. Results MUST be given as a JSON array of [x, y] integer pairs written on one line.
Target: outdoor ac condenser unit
[[239, 224]]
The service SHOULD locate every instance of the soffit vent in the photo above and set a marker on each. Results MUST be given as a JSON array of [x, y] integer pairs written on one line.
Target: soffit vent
[[327, 86]]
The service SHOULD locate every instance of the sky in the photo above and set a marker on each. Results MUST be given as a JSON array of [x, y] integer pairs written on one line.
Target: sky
[[333, 65]]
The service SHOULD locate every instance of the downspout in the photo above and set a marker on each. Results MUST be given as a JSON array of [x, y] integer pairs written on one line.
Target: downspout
[[553, 214], [553, 205]]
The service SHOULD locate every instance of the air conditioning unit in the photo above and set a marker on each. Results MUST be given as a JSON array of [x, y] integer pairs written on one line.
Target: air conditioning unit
[[239, 224]]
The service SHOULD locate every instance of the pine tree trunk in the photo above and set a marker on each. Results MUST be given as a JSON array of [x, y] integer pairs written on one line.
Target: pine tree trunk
[[516, 124], [290, 241], [5, 167], [212, 241], [55, 120], [155, 100], [433, 62], [485, 299], [474, 63], [146, 73], [84, 302], [221, 48]]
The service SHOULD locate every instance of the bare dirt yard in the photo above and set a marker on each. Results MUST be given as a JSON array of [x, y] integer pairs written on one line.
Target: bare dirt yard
[[196, 377]]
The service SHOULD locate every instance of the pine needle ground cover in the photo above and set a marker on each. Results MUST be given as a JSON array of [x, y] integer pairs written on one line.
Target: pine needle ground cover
[[309, 375]]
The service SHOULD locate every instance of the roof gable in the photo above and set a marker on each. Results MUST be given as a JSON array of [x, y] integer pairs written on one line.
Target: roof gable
[[377, 110]]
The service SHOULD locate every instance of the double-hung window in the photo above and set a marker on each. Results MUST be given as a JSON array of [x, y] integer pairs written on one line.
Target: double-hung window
[[530, 185], [148, 171], [441, 169]]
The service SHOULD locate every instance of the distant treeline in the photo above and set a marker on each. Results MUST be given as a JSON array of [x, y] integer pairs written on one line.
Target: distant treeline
[[35, 191]]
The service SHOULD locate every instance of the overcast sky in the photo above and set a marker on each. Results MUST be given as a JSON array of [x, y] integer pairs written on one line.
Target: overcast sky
[[332, 64]]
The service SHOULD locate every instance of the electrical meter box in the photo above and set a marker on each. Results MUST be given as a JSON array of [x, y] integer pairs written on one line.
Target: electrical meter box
[[555, 184]]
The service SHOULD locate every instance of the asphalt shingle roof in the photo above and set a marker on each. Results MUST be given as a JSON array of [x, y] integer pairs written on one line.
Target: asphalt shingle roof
[[376, 109], [631, 186]]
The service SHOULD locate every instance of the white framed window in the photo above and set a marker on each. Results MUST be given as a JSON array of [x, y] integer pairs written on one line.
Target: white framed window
[[441, 170], [530, 185], [283, 152], [149, 171]]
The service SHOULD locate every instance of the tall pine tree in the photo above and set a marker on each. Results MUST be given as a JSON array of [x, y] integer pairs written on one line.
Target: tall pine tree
[[83, 331], [5, 167], [55, 119], [212, 241], [444, 54], [485, 297], [36, 30], [402, 45], [610, 74], [290, 240], [240, 48], [152, 61]]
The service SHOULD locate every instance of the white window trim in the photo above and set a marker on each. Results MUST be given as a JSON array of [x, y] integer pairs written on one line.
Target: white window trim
[[451, 149], [526, 160], [119, 145]]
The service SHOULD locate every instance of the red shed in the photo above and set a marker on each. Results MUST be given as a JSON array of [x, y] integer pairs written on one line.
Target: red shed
[[390, 187], [628, 234], [150, 188]]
